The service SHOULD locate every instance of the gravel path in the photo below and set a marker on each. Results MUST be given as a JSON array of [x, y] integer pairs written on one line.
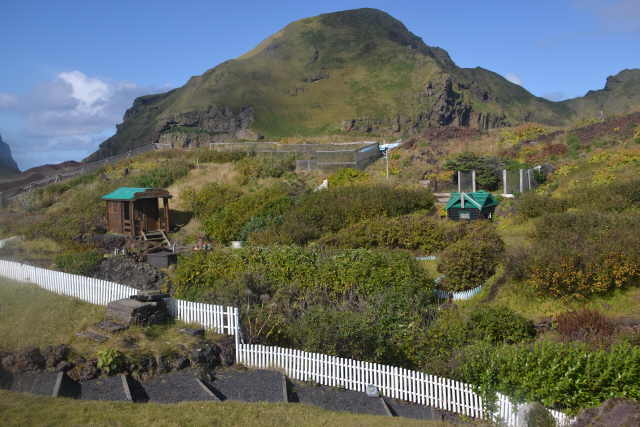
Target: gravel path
[[175, 387], [335, 399], [109, 388], [36, 383], [248, 386]]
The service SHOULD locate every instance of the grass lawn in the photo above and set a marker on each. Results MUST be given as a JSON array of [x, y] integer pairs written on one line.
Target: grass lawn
[[32, 316], [18, 409]]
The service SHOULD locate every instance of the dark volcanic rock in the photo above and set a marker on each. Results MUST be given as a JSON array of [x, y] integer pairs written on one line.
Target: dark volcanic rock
[[55, 356], [8, 165], [30, 359], [124, 270], [613, 412], [129, 311]]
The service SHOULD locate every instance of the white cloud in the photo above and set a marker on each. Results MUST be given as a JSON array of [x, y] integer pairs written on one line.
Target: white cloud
[[514, 78], [72, 112], [7, 101], [614, 15]]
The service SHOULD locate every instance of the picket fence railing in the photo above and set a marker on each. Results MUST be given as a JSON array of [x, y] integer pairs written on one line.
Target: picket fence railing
[[393, 382], [224, 320], [458, 296]]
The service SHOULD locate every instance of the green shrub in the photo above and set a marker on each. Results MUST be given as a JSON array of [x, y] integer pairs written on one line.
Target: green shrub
[[417, 232], [228, 223], [347, 176], [321, 212], [83, 263], [561, 376], [487, 169], [470, 261], [110, 361], [499, 325]]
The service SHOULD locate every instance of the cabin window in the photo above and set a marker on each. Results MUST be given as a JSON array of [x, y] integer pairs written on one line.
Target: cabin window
[[125, 206], [465, 215]]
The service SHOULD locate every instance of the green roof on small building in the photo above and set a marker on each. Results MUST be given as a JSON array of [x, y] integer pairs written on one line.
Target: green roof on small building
[[125, 193], [478, 199]]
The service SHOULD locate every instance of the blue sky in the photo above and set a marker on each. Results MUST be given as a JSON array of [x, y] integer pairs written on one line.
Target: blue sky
[[71, 68]]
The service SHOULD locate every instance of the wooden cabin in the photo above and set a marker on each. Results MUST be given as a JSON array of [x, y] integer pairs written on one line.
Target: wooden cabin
[[135, 211], [470, 206]]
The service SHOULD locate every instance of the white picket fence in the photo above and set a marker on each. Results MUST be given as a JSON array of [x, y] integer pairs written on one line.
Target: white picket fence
[[392, 382], [224, 320], [458, 296]]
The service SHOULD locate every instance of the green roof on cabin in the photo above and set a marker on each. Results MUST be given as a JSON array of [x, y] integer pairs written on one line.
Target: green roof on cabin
[[479, 200], [125, 193]]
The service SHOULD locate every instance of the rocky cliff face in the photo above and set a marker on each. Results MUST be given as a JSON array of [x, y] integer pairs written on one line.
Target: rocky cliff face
[[8, 166], [357, 72]]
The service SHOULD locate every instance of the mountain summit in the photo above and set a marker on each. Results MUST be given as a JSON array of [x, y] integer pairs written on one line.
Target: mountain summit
[[352, 72]]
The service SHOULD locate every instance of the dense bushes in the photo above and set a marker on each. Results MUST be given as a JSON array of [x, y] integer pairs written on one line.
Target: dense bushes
[[354, 303], [229, 221], [337, 273], [584, 253], [471, 260], [558, 375], [533, 205], [327, 211], [440, 348], [418, 232]]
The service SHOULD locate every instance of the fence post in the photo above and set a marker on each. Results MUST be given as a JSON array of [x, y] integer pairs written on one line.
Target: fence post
[[521, 180]]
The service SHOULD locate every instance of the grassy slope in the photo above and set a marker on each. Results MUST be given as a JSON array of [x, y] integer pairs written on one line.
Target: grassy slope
[[32, 316], [19, 409]]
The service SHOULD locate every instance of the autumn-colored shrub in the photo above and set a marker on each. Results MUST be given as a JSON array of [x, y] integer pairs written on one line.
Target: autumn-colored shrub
[[584, 253], [584, 325]]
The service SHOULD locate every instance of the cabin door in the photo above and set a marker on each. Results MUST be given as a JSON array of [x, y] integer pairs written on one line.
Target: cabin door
[[150, 214]]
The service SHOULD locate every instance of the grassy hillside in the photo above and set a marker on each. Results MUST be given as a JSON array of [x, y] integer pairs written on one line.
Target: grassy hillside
[[357, 72]]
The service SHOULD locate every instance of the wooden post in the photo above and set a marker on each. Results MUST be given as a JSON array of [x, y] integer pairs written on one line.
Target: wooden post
[[459, 182], [167, 225], [132, 219]]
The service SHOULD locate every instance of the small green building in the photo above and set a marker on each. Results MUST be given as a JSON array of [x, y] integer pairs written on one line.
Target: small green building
[[476, 205]]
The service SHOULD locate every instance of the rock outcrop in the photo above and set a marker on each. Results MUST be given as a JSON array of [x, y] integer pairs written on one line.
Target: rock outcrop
[[8, 166]]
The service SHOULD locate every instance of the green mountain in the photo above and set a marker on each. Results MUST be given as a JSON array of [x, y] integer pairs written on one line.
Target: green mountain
[[353, 72]]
